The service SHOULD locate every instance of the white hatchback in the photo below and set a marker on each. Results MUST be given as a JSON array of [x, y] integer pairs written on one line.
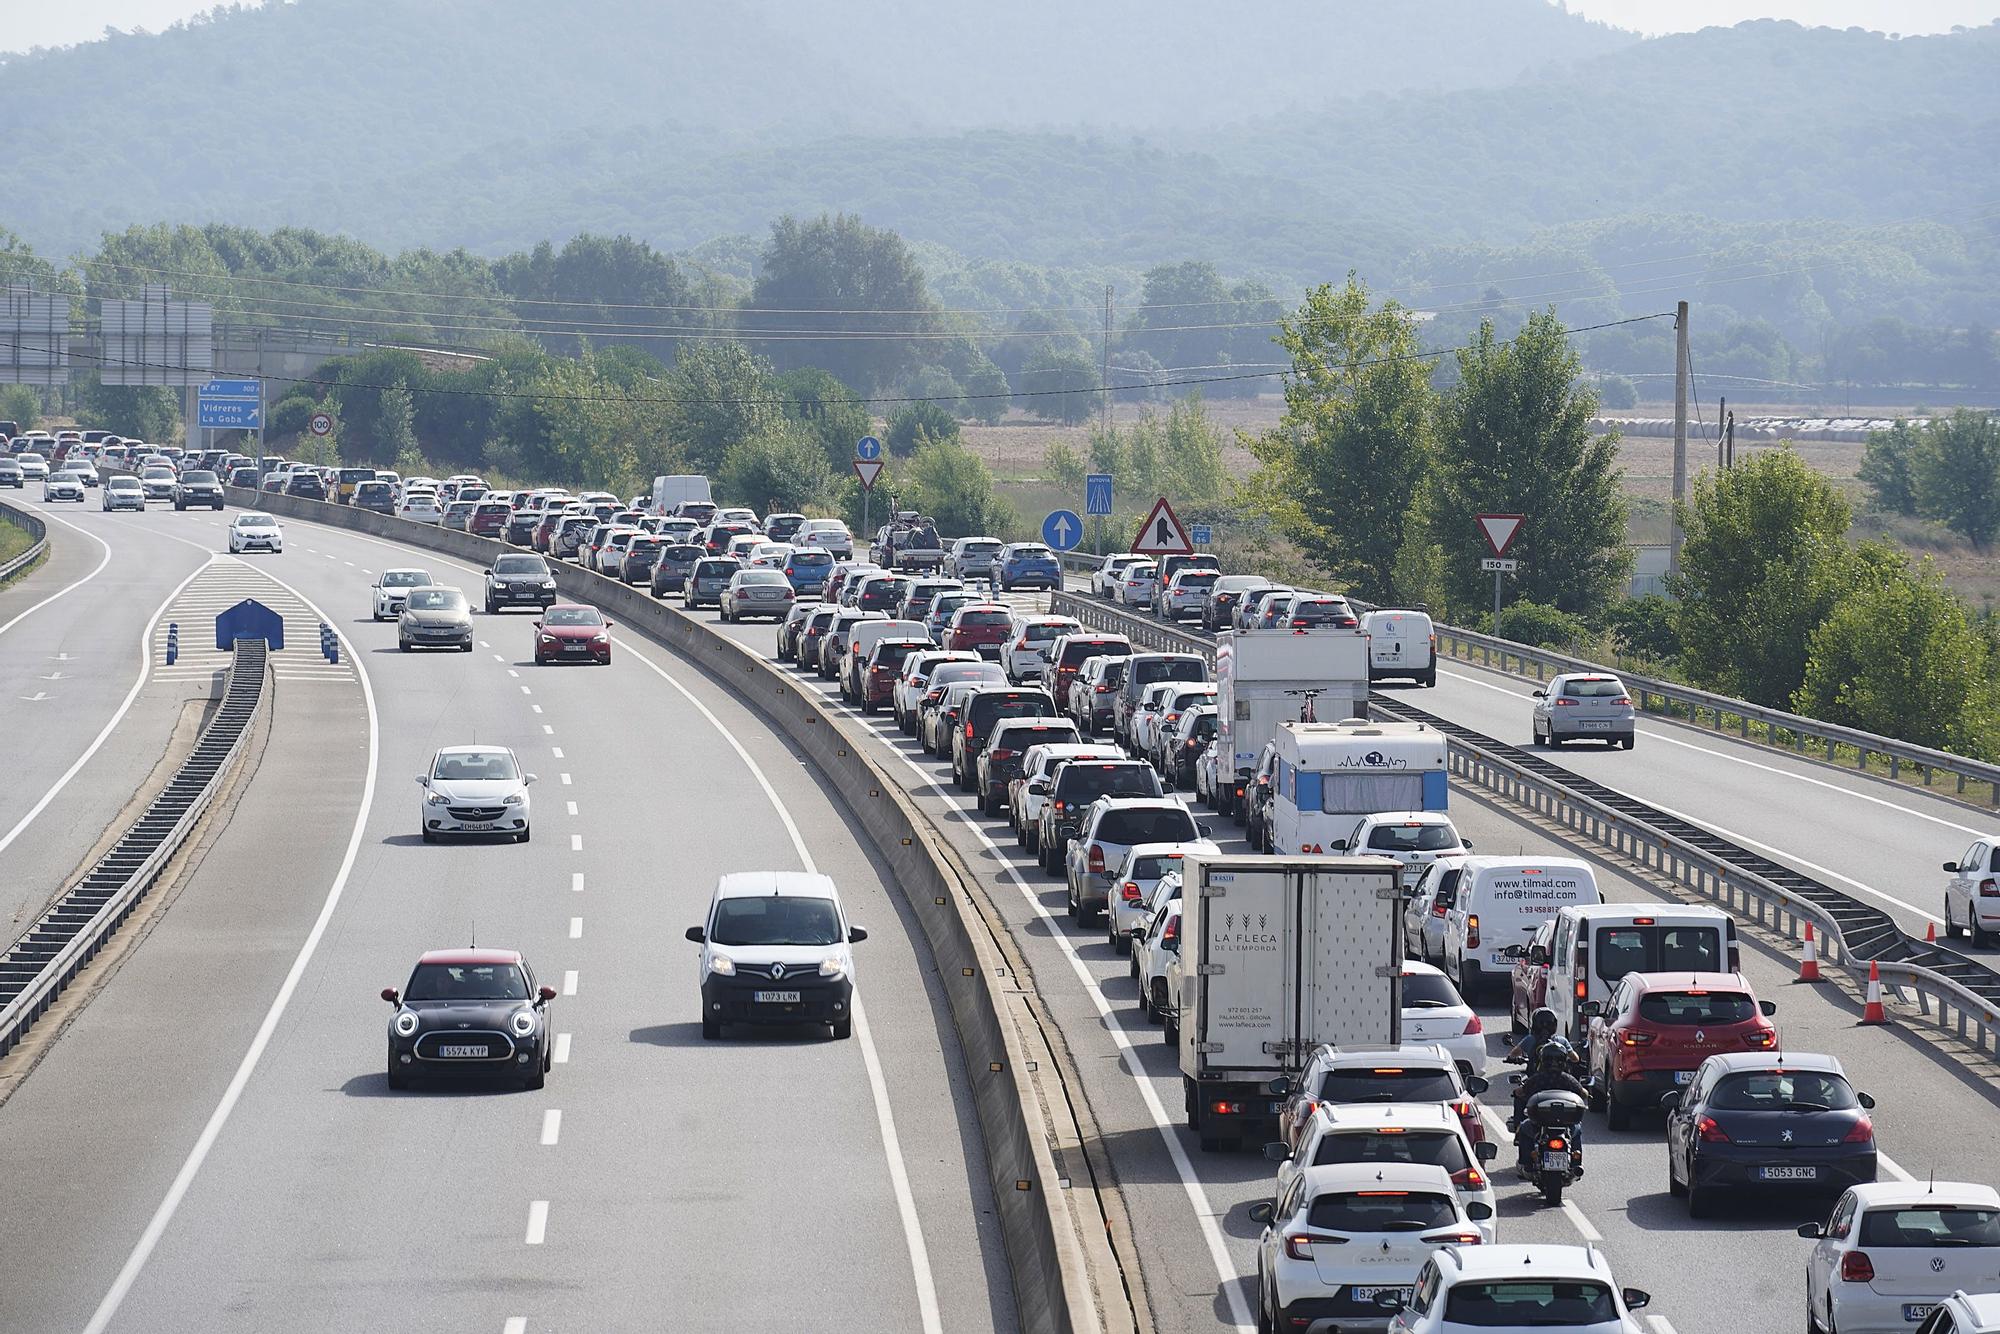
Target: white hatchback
[[475, 790], [1433, 1011], [1515, 1289], [1396, 1132], [1131, 905], [1414, 838], [1891, 1250]]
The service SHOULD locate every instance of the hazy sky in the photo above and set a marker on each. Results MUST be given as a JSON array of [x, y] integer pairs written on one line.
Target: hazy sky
[[28, 23]]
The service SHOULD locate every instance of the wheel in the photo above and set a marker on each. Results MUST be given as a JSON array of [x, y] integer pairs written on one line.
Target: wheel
[[1170, 1031], [491, 610], [1535, 735], [538, 1077], [1674, 1186], [711, 1029], [1157, 1001], [1075, 908], [1981, 937], [402, 646], [1429, 678], [429, 837], [1699, 1201], [1120, 942], [842, 1029], [1552, 1188], [397, 1079], [1950, 930], [1625, 742], [1617, 1116], [868, 705], [525, 834]]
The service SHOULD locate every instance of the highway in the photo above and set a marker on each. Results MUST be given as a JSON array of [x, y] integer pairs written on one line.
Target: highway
[[255, 1172]]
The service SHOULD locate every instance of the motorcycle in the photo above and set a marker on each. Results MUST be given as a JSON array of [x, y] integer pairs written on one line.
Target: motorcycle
[[1546, 1139]]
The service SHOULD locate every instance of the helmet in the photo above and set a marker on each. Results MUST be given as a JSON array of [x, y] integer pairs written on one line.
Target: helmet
[[1553, 1055], [1543, 1023]]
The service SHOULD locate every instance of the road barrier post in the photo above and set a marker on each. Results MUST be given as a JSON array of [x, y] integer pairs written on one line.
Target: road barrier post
[[173, 641]]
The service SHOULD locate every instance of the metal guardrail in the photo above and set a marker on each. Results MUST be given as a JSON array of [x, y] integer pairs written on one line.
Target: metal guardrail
[[1959, 994], [44, 961], [1702, 707], [34, 527]]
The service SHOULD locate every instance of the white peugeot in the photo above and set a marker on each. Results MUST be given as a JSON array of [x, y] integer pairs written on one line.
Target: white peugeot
[[475, 790]]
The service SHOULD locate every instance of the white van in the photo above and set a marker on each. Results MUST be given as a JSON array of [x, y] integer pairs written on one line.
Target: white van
[[1330, 774], [1501, 901], [1401, 643], [775, 950], [1587, 948], [671, 491]]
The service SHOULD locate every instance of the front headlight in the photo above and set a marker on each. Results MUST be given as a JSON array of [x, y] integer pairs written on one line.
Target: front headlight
[[722, 965], [548, 639], [523, 1023], [831, 967], [515, 799], [406, 1023], [600, 637], [437, 799], [548, 585]]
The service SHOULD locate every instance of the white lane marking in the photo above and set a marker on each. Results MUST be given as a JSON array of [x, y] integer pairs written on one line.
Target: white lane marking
[[562, 1049], [565, 779], [572, 807], [1583, 1225], [525, 690], [1659, 734], [484, 644], [548, 730], [516, 1324], [157, 1226], [1661, 1325], [576, 928], [1891, 1166], [538, 1222], [348, 563], [899, 1177], [551, 1125], [498, 658], [576, 842], [556, 751], [512, 672], [536, 707], [576, 882], [569, 983], [117, 715]]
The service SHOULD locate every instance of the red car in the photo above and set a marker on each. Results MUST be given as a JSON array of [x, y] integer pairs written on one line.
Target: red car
[[489, 518], [1647, 1039], [569, 633], [979, 627]]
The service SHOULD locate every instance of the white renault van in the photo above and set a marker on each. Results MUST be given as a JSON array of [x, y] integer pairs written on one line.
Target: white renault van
[[774, 950], [1501, 902], [1401, 643]]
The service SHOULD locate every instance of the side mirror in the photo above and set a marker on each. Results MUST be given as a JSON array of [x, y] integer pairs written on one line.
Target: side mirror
[[423, 780], [857, 934], [1590, 1009], [546, 994], [1391, 1299], [528, 781], [538, 625], [611, 625], [1276, 1152], [1476, 1086], [1465, 843], [1338, 845], [1281, 1087], [1541, 694], [1479, 1211], [1513, 951], [1951, 866], [1262, 1212], [1812, 1231], [1767, 1008], [391, 995], [1205, 829], [1038, 788], [1865, 1101], [1486, 1151], [1670, 1099], [697, 934], [1635, 1299], [1538, 954]]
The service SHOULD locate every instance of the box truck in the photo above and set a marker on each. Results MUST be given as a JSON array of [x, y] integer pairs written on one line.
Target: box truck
[[1279, 955], [1265, 677]]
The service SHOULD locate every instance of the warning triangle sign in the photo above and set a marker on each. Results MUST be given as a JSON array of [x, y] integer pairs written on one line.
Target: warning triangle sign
[[1500, 530], [1162, 533], [868, 470]]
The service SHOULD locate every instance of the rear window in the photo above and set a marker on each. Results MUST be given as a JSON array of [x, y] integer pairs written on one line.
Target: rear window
[[1078, 649], [952, 672], [1153, 867], [1784, 1091], [1413, 838], [1387, 1084], [1931, 1225], [1033, 553], [1690, 1008], [1595, 688], [811, 559], [1438, 1148], [1000, 704], [1382, 1211], [1083, 782], [1147, 826], [498, 507], [1320, 613], [716, 569], [1198, 579], [1045, 633], [1429, 991], [983, 618], [1145, 673], [680, 551], [1515, 1303], [979, 548], [1657, 949], [892, 654]]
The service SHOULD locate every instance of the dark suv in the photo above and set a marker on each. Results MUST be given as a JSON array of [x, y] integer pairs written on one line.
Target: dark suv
[[981, 712], [676, 562], [1073, 786], [519, 579], [306, 485]]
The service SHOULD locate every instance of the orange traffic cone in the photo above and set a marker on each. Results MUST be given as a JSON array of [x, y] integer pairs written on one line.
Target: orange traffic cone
[[1871, 1010], [1809, 961], [1930, 933]]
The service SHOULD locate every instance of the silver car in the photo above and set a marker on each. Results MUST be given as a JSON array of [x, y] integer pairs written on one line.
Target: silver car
[[1584, 706], [974, 557], [435, 617], [1185, 593]]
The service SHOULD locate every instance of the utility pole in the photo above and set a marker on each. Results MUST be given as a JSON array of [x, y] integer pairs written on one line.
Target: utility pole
[[1721, 416], [1680, 434], [1104, 362]]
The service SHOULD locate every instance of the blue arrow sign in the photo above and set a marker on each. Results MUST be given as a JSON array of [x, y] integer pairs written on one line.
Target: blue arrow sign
[[230, 389], [1062, 530], [1097, 493], [867, 449], [1200, 534], [228, 414], [249, 619]]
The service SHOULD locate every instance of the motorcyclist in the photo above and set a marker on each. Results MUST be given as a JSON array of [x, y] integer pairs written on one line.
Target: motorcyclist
[[1555, 1061], [1542, 1025]]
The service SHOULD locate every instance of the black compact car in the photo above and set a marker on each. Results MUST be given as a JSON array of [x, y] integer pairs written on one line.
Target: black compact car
[[378, 497], [1767, 1121], [306, 486], [519, 579], [470, 1012], [198, 488]]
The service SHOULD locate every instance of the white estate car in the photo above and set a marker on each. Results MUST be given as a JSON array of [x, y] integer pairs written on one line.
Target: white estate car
[[475, 790], [255, 532], [1500, 1289], [1891, 1250], [391, 590]]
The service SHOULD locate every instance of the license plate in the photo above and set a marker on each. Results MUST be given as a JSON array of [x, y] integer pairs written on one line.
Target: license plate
[[1683, 1076], [1556, 1162], [1597, 724], [576, 648], [453, 1050], [475, 824], [776, 997], [1917, 1310], [1789, 1173], [1373, 1295]]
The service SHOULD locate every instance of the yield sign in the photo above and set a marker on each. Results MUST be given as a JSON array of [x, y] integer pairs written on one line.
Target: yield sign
[[1162, 533], [868, 470], [1500, 530]]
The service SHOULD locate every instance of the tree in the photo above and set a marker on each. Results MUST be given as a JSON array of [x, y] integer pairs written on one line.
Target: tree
[[1763, 562], [826, 410], [1899, 657], [937, 385], [1064, 466], [721, 393], [1616, 392], [1527, 622], [913, 423], [399, 429], [20, 404], [149, 412], [1514, 437], [1339, 469], [820, 282], [1955, 469], [987, 386], [612, 291], [1058, 384], [952, 485], [1885, 466], [781, 467], [1192, 455]]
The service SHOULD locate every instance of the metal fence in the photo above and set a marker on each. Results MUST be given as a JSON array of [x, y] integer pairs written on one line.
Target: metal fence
[[35, 528]]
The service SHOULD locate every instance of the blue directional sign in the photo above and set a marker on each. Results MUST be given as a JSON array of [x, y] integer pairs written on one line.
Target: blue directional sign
[[868, 449], [249, 619], [1097, 493], [1200, 534], [230, 405], [1062, 530]]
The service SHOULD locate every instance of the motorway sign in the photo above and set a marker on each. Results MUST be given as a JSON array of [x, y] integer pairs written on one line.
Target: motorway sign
[[868, 449], [321, 423], [1062, 530], [1500, 566], [230, 405], [1162, 534], [1097, 493], [868, 470], [1202, 534], [1500, 530]]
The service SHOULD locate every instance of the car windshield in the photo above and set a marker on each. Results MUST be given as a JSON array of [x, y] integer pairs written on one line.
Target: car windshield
[[1515, 1303], [1690, 1008], [256, 521], [1382, 1211], [1429, 991], [1783, 1091], [1930, 1225], [520, 565], [474, 766], [1593, 688], [775, 919], [191, 476], [406, 578], [152, 474], [1394, 1144], [436, 599], [1412, 837], [1387, 1084], [466, 981], [572, 616]]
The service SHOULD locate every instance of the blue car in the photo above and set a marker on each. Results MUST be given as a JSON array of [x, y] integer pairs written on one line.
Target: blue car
[[807, 569], [1027, 565]]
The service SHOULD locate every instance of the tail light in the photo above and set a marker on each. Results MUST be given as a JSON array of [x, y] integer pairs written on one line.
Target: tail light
[[968, 731], [1472, 1026], [1762, 1039], [1558, 1144], [1711, 1131], [1105, 690], [1226, 1108], [1096, 859], [1565, 703], [1472, 931], [1633, 1037], [1453, 1238], [1989, 889], [878, 671], [1171, 931], [1298, 623], [1057, 805], [1862, 1133], [1856, 1267], [1469, 1179], [1299, 1244], [1437, 909], [1130, 891], [1623, 701], [1463, 1106], [1002, 755], [1583, 988]]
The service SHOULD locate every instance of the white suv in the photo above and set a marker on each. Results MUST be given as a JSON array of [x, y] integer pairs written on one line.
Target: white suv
[[391, 590], [1519, 1287], [1111, 828]]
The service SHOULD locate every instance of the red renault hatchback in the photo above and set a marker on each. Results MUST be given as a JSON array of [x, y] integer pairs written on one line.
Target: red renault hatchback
[[1657, 1027]]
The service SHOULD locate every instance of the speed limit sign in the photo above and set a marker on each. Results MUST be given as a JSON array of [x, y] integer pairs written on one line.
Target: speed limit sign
[[322, 423]]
